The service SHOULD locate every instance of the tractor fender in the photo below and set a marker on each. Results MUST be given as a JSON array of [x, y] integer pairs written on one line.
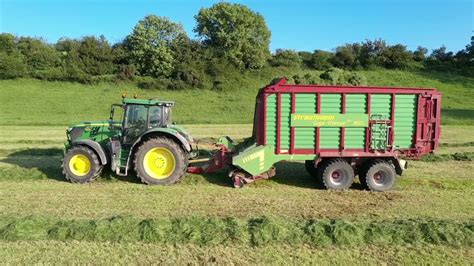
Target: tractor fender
[[172, 134], [94, 146], [163, 132]]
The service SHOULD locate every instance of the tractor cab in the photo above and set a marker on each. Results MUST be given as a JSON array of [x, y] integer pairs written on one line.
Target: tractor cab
[[137, 116]]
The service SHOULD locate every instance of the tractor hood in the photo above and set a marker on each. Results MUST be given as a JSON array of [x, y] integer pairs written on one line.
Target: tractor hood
[[95, 124], [93, 130]]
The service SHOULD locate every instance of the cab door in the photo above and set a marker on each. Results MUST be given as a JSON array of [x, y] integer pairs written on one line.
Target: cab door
[[135, 122]]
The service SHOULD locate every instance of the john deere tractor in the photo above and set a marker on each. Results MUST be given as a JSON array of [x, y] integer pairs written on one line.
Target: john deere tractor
[[139, 135]]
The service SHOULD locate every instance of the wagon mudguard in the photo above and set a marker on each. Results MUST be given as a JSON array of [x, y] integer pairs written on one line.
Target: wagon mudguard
[[94, 146]]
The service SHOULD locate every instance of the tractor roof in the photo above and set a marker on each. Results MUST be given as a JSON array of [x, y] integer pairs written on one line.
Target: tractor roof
[[147, 102]]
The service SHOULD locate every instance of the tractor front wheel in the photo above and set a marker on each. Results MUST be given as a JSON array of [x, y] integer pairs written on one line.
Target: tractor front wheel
[[81, 165], [160, 161]]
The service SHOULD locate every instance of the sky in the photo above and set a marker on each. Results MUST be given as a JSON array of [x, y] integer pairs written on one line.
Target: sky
[[298, 25]]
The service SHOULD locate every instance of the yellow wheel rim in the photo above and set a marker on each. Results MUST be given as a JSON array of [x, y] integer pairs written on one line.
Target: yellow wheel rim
[[159, 163], [80, 165]]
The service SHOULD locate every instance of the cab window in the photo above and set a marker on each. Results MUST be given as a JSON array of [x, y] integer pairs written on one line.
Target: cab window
[[135, 122], [156, 116]]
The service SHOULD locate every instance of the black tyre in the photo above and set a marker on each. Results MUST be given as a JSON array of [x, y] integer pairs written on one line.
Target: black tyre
[[337, 174], [81, 165], [380, 176], [160, 161]]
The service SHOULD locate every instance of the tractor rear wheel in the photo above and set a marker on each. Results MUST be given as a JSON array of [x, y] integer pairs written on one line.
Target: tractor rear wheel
[[160, 161], [337, 174], [81, 165], [380, 176]]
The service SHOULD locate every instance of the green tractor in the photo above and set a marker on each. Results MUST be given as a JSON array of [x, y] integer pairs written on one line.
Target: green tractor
[[139, 135]]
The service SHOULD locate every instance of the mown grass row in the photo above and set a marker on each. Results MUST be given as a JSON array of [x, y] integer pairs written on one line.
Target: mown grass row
[[464, 144], [457, 156], [253, 232]]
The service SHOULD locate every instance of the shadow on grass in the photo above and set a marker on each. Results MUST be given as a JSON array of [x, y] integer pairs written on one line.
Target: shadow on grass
[[295, 174], [287, 173], [48, 161], [466, 115]]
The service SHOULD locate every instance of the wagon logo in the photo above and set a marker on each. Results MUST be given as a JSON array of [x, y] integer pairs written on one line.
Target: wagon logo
[[329, 120], [261, 158]]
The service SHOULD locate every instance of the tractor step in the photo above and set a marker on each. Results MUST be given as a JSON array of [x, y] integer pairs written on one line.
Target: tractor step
[[119, 172]]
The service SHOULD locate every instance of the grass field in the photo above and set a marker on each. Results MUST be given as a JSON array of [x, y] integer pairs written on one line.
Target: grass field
[[427, 219]]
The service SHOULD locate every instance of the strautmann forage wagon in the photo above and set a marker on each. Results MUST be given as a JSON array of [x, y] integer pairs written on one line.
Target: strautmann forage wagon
[[339, 131]]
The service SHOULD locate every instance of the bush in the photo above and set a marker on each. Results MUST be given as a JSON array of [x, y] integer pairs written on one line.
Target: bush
[[336, 76], [286, 58], [12, 66], [356, 79], [347, 56], [333, 76], [305, 79], [39, 56], [321, 60], [56, 73], [189, 76], [306, 58], [150, 83], [126, 72]]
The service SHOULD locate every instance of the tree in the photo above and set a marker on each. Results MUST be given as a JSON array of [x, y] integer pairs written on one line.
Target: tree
[[306, 58], [371, 53], [11, 66], [12, 62], [321, 60], [347, 56], [8, 43], [441, 55], [395, 56], [150, 45], [38, 55], [287, 58], [236, 33], [420, 54], [465, 57], [95, 55]]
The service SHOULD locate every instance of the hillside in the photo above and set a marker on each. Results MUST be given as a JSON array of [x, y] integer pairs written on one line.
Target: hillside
[[34, 102]]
